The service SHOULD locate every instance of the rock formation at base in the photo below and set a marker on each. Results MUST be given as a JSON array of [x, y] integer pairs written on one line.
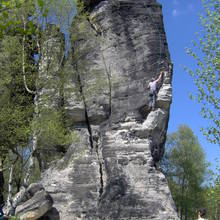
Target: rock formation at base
[[36, 203], [112, 171]]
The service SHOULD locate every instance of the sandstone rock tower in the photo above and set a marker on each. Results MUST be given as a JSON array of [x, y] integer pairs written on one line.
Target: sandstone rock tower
[[112, 170]]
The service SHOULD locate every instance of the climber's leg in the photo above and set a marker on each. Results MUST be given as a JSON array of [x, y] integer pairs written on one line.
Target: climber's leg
[[150, 101], [154, 100]]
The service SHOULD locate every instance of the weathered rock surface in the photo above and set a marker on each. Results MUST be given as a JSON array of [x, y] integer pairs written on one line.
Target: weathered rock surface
[[112, 171], [35, 204]]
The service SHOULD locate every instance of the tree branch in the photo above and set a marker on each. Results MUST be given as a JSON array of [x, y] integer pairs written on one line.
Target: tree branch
[[9, 199], [23, 60]]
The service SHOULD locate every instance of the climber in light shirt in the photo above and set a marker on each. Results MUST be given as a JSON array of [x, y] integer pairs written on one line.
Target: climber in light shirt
[[153, 91]]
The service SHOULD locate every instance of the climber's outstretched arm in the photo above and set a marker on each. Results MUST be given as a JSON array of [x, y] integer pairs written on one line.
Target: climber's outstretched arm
[[160, 76]]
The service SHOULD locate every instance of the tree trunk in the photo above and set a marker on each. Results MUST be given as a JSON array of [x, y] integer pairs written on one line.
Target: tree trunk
[[9, 199], [1, 183], [23, 60], [182, 199], [20, 195], [186, 204], [186, 213]]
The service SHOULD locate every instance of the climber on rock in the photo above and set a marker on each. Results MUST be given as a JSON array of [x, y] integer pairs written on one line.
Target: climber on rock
[[153, 86]]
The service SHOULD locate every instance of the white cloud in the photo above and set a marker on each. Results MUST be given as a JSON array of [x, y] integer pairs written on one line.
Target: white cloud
[[175, 12], [182, 11]]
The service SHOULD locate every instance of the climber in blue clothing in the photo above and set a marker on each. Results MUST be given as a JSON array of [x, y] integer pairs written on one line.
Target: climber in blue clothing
[[1, 213], [153, 91]]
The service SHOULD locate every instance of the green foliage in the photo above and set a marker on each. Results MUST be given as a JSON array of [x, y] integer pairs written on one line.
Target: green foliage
[[14, 218], [185, 167], [16, 105], [212, 194], [16, 109], [51, 131], [20, 162], [192, 185], [206, 53], [81, 11], [11, 14]]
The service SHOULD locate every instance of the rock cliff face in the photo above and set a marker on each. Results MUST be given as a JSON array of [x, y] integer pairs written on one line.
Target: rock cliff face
[[112, 170]]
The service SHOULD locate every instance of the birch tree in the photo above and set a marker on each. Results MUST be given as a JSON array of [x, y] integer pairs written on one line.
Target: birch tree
[[21, 40]]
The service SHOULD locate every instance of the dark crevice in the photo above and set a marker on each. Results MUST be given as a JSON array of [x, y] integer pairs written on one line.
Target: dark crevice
[[86, 112], [93, 138], [91, 4], [85, 106], [101, 179], [100, 165]]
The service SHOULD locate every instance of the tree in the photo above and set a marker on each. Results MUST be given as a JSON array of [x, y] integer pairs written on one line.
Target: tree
[[16, 105], [211, 194], [206, 75], [185, 166], [20, 40]]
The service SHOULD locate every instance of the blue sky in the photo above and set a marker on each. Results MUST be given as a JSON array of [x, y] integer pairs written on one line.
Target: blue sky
[[181, 22]]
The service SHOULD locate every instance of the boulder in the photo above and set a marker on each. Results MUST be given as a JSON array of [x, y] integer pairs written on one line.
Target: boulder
[[164, 96], [38, 202]]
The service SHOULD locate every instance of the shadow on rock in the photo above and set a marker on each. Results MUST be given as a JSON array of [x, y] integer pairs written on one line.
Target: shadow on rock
[[113, 193], [144, 111], [52, 214]]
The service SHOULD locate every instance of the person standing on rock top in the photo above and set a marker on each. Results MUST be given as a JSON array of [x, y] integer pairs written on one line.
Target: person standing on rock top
[[153, 91]]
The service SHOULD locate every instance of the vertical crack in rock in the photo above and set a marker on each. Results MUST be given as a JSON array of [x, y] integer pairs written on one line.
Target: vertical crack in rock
[[86, 111], [97, 143], [101, 180], [107, 69], [100, 171], [94, 139]]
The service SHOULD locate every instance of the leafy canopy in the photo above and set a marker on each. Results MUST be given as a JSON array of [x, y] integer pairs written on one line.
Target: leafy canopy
[[206, 53], [185, 167]]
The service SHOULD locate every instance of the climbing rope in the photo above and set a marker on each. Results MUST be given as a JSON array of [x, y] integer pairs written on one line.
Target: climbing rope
[[160, 45]]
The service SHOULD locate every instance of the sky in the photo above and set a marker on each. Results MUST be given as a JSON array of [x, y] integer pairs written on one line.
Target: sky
[[181, 20]]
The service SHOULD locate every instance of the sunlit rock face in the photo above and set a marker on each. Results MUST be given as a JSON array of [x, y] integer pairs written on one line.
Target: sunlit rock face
[[111, 171]]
